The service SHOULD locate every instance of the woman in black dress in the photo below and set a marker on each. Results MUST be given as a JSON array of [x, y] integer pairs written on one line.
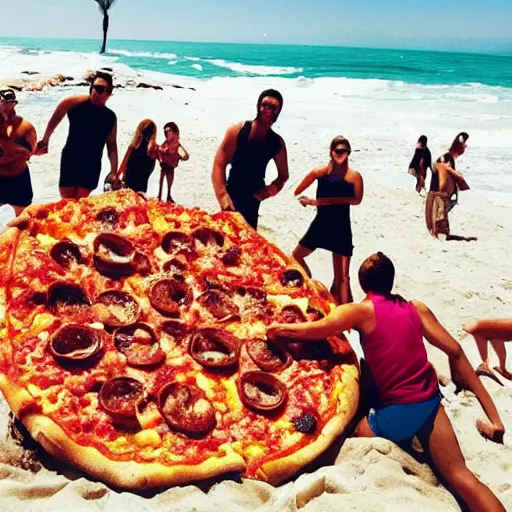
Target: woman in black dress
[[139, 160], [338, 187]]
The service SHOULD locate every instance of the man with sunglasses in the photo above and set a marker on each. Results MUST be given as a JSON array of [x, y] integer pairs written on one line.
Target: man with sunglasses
[[91, 125], [249, 147], [17, 142]]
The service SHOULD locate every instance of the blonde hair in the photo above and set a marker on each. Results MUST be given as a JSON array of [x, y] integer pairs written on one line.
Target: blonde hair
[[139, 132]]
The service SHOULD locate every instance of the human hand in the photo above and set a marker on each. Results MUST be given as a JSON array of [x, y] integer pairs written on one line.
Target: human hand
[[266, 192], [42, 147], [226, 204], [307, 201]]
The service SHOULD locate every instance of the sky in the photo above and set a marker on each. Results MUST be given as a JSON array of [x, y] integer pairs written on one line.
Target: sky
[[427, 24]]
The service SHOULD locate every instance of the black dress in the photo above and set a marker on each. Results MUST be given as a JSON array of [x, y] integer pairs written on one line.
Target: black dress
[[331, 229], [139, 168]]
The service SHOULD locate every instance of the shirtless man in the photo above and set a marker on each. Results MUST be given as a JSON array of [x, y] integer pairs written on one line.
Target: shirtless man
[[91, 125], [249, 146], [17, 142]]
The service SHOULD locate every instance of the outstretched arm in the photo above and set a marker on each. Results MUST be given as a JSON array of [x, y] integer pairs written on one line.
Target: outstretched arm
[[183, 153], [308, 180]]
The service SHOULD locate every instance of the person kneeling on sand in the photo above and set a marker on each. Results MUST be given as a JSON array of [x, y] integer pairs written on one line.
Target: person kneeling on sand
[[497, 331], [392, 331]]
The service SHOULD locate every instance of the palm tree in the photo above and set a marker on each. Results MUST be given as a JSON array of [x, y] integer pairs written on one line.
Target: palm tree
[[104, 6]]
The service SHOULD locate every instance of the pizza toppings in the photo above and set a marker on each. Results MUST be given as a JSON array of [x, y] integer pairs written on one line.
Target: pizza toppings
[[209, 236], [65, 253], [176, 267], [307, 423], [175, 330], [262, 392], [292, 277], [186, 409], [268, 355], [114, 256], [139, 344], [232, 256], [167, 295], [252, 300], [214, 348], [108, 215], [115, 308], [176, 242], [314, 314], [75, 343], [218, 304], [66, 297], [119, 398], [291, 314]]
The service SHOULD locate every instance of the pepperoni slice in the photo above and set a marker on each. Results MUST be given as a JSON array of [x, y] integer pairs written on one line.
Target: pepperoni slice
[[65, 253], [114, 256], [108, 215], [186, 409], [66, 298], [74, 343], [176, 242], [214, 348], [261, 392], [176, 267], [115, 308], [218, 304], [175, 331], [209, 236], [119, 398], [268, 355], [167, 295], [254, 300], [232, 257], [139, 344], [292, 277], [291, 314]]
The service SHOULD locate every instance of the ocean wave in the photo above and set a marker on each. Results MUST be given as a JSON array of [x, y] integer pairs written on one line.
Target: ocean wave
[[197, 66], [147, 55], [255, 69]]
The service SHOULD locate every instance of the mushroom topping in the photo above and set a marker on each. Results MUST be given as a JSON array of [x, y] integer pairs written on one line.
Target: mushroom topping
[[268, 356], [75, 344], [218, 304], [307, 423], [119, 398], [114, 256], [115, 308], [65, 253], [292, 277], [214, 348], [176, 242], [66, 298], [186, 409], [167, 295], [108, 215], [209, 236], [291, 314], [232, 256], [139, 344], [261, 392]]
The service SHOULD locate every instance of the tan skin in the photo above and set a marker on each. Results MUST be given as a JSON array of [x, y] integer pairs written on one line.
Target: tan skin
[[100, 100], [172, 139], [260, 127], [339, 165], [441, 443], [13, 156]]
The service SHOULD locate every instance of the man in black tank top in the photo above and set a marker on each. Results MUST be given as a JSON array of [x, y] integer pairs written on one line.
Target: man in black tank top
[[248, 147], [91, 126]]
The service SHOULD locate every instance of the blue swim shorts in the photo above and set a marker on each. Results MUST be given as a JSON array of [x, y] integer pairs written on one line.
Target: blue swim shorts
[[401, 422]]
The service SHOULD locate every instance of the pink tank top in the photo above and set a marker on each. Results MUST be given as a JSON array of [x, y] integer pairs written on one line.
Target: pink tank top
[[396, 355]]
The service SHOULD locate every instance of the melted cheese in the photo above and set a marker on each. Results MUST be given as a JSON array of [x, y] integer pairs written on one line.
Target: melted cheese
[[284, 300], [46, 240], [232, 398], [49, 406], [206, 384], [41, 322], [148, 437], [120, 445]]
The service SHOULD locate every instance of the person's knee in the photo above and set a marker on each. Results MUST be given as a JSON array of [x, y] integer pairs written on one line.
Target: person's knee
[[460, 477]]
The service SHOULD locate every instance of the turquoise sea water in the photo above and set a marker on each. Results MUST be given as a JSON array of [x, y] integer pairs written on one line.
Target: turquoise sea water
[[207, 60]]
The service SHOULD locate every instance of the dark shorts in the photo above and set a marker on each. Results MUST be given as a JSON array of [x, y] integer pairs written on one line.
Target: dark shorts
[[401, 422], [329, 235], [246, 204], [79, 173], [17, 191]]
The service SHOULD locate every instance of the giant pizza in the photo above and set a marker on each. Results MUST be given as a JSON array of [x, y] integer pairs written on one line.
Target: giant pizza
[[133, 344]]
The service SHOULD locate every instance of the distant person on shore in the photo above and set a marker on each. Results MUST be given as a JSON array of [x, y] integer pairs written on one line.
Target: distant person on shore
[[17, 142], [421, 161], [92, 125], [496, 331], [444, 191], [169, 155], [338, 187], [391, 331], [249, 146], [139, 161]]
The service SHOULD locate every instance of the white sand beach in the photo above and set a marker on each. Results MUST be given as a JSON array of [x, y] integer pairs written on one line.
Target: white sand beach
[[460, 281]]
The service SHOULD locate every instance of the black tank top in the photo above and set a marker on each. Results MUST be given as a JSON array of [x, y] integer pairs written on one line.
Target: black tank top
[[251, 158], [140, 161], [333, 186], [89, 128]]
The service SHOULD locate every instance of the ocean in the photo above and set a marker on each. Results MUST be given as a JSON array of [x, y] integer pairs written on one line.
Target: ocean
[[404, 92]]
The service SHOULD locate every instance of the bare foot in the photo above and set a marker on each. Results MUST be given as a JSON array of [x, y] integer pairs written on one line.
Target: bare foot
[[503, 372], [490, 431], [484, 371]]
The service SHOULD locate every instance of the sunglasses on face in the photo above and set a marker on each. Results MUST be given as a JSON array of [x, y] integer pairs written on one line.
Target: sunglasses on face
[[341, 151], [101, 89], [269, 106]]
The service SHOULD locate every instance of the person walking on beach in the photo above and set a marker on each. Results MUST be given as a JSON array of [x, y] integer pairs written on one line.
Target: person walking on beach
[[338, 187], [17, 143], [249, 146], [420, 163], [392, 331], [139, 161], [91, 125], [497, 332]]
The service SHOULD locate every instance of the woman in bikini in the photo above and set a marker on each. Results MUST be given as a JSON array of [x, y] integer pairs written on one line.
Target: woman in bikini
[[339, 186]]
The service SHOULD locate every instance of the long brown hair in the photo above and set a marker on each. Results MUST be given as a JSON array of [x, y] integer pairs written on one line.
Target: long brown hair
[[143, 129]]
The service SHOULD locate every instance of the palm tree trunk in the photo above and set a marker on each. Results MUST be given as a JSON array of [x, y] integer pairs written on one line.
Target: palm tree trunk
[[105, 30]]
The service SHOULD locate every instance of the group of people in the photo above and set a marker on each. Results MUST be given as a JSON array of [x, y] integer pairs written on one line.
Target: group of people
[[392, 329]]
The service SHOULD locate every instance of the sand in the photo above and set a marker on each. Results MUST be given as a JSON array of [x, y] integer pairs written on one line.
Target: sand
[[458, 280]]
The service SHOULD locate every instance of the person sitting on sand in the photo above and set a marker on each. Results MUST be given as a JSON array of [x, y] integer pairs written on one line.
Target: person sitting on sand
[[249, 146], [421, 161], [92, 125], [496, 331], [391, 331], [139, 161], [17, 142], [339, 186], [169, 155]]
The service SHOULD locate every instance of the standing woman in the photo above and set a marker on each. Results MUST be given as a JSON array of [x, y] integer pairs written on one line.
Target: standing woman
[[339, 186], [139, 161]]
